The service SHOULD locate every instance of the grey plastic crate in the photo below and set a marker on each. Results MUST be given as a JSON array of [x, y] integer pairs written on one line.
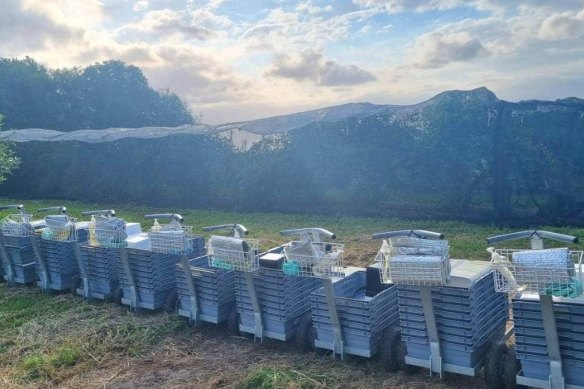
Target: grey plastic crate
[[215, 289], [153, 275], [362, 318], [283, 299]]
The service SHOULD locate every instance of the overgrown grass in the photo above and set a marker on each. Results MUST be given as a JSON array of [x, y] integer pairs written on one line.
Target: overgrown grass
[[50, 338]]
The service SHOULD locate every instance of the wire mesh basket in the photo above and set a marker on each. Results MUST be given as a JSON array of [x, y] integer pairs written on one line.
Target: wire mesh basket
[[414, 261], [552, 272], [314, 259], [108, 232], [59, 228], [233, 253], [172, 238], [17, 225]]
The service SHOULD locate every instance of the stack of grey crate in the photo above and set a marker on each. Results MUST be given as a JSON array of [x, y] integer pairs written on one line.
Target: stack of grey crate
[[362, 315], [467, 319], [60, 261], [100, 264], [215, 289], [531, 343], [283, 299], [153, 273], [22, 258]]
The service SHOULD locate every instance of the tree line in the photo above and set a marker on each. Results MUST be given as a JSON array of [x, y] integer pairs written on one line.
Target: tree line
[[461, 155]]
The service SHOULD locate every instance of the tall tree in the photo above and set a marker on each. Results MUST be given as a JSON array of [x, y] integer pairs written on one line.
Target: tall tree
[[8, 160], [110, 94]]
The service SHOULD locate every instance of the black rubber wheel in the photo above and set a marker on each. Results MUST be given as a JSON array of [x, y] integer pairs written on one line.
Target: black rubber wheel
[[170, 302], [511, 367], [118, 295], [75, 284], [302, 339], [401, 360], [389, 349], [232, 324], [494, 365]]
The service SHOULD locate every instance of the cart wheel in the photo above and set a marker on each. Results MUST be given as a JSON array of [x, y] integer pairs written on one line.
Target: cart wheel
[[170, 302], [511, 367], [233, 321], [75, 284], [389, 349], [313, 336], [495, 364], [117, 297], [401, 360], [302, 340]]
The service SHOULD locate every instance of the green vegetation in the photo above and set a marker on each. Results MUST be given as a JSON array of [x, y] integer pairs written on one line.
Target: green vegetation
[[462, 155], [8, 160], [103, 95]]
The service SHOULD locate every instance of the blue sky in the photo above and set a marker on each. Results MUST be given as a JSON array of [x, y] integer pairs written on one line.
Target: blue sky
[[235, 60]]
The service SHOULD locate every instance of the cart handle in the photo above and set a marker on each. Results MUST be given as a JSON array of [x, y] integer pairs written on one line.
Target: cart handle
[[62, 209], [170, 216], [239, 227], [422, 234], [20, 207], [530, 234], [315, 233], [108, 212]]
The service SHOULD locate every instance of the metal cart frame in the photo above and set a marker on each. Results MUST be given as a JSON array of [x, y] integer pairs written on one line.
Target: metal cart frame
[[556, 379], [194, 316]]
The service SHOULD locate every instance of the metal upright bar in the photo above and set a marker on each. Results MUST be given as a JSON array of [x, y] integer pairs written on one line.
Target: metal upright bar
[[338, 345], [194, 315], [44, 280], [553, 345], [432, 328], [257, 309], [6, 262], [82, 270], [131, 281]]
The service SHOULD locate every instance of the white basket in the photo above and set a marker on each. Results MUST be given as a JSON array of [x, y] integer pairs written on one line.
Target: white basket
[[556, 272], [314, 259], [172, 238], [107, 232], [17, 225], [233, 253], [414, 261], [60, 230]]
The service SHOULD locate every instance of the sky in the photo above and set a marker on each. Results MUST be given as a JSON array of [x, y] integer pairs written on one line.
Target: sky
[[233, 60]]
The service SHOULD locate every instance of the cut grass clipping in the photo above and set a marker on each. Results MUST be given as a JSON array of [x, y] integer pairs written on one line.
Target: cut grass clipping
[[279, 378]]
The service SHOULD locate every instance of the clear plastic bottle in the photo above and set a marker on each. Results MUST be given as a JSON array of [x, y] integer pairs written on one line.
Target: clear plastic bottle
[[92, 237], [156, 226]]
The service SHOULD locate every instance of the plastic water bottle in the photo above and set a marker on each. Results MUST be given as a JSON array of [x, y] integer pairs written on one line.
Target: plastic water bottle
[[92, 237]]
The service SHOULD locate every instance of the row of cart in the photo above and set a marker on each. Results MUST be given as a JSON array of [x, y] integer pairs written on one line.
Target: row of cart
[[516, 320]]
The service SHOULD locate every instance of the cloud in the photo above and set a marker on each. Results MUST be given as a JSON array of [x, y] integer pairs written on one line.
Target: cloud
[[396, 6], [200, 24], [30, 29], [434, 50], [310, 65], [140, 5], [566, 25]]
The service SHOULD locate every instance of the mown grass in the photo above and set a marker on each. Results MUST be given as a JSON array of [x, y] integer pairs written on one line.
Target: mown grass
[[282, 378], [466, 240], [48, 339]]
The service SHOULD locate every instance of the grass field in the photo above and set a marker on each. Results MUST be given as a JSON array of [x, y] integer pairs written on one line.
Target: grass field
[[62, 341]]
